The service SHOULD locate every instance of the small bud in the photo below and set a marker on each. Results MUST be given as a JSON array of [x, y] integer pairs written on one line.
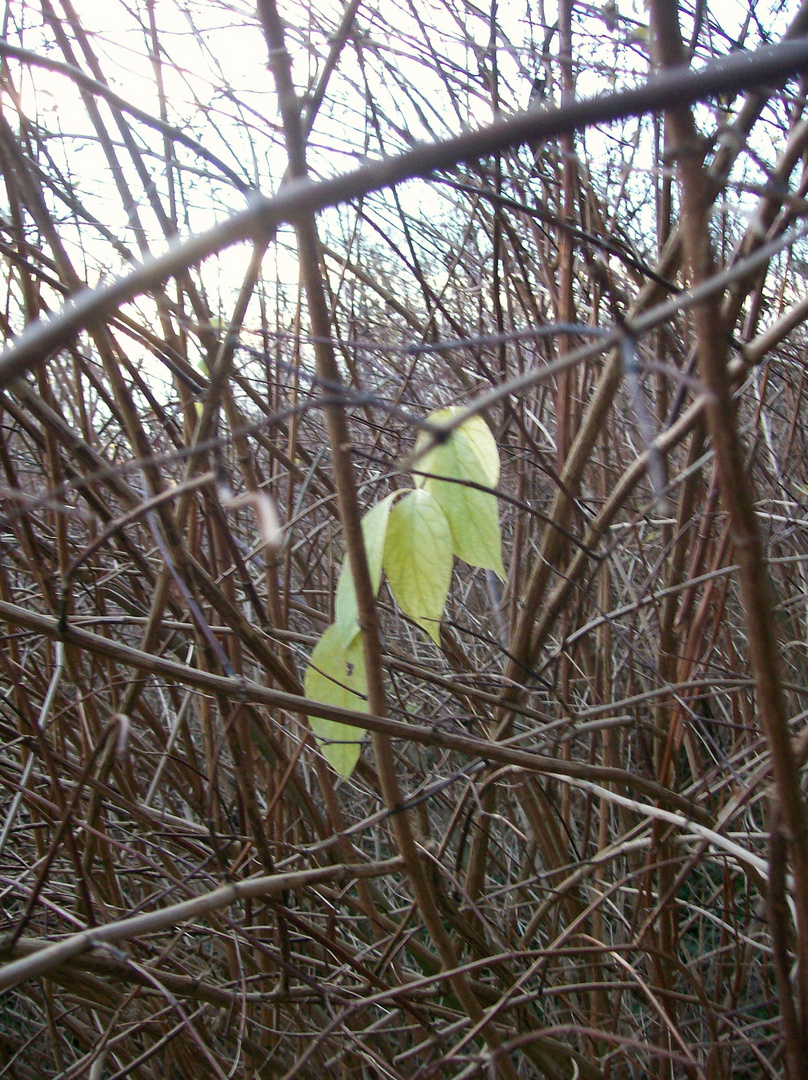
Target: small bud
[[266, 513], [269, 523]]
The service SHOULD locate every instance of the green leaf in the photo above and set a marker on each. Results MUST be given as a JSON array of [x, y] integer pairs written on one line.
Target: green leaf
[[336, 676], [468, 454], [374, 533], [418, 559], [473, 518]]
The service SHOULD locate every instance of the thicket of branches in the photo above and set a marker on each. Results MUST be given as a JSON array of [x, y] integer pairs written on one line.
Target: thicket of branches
[[244, 255]]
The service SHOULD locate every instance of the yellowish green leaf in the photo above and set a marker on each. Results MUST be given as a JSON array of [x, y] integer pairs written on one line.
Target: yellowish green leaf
[[336, 676], [374, 533], [473, 517], [418, 559], [468, 454]]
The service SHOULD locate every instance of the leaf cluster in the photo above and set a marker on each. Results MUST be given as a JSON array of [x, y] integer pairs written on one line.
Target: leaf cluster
[[412, 535]]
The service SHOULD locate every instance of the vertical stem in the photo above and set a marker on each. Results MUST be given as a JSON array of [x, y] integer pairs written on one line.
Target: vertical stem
[[566, 313], [340, 441], [737, 494]]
